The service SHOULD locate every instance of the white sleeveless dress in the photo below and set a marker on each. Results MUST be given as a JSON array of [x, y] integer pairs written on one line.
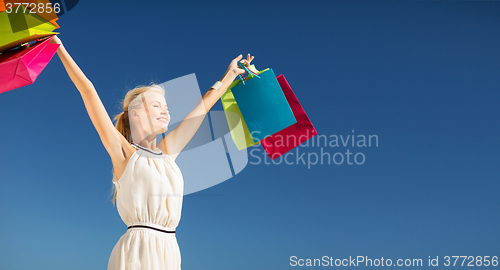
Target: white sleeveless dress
[[150, 193]]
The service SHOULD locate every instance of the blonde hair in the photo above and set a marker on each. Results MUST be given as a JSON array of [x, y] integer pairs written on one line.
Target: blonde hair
[[132, 100]]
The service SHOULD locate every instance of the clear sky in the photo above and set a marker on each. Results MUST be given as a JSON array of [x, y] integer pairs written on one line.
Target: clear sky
[[423, 76]]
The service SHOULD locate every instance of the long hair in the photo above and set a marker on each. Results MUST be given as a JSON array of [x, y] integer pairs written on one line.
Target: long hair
[[122, 124]]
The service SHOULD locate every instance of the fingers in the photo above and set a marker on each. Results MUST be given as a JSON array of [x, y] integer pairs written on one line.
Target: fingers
[[236, 60], [247, 61]]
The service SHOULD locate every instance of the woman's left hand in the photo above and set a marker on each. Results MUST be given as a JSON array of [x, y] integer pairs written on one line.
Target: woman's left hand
[[233, 66]]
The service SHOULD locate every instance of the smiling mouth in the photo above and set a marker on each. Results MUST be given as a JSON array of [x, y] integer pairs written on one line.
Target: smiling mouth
[[162, 120]]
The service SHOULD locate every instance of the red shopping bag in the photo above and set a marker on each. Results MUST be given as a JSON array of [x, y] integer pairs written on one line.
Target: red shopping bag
[[286, 139], [22, 66]]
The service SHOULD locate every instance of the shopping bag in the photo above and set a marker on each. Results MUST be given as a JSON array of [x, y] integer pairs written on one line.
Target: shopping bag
[[263, 105], [241, 137], [294, 135], [26, 27], [20, 67]]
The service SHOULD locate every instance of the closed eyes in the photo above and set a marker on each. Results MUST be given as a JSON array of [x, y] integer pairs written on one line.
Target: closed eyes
[[157, 105]]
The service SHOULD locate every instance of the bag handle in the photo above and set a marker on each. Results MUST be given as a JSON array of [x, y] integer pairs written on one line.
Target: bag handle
[[243, 80]]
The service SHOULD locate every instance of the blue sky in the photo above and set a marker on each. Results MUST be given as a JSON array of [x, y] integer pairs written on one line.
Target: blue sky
[[421, 75]]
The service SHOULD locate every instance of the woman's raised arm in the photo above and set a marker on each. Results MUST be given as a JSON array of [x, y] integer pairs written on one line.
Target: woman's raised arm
[[111, 138], [178, 138]]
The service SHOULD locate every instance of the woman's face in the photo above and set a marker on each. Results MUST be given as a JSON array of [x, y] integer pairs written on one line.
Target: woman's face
[[153, 116]]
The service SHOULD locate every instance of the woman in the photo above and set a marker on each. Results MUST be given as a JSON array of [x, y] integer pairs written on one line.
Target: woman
[[148, 183]]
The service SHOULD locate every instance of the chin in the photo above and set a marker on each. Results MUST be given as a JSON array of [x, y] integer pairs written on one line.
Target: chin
[[161, 125], [162, 128]]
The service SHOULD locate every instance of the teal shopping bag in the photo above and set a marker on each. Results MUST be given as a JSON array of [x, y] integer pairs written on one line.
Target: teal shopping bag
[[263, 105]]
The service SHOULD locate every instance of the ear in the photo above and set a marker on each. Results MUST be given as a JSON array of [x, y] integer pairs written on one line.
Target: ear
[[134, 113]]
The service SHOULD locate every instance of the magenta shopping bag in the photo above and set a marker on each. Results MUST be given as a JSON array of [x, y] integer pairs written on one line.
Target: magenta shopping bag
[[22, 66], [286, 139]]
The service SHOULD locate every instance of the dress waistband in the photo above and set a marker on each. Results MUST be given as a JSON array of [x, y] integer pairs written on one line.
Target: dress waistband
[[152, 226]]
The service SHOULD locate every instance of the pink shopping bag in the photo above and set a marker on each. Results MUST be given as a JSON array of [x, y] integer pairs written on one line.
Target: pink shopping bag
[[22, 66], [286, 139]]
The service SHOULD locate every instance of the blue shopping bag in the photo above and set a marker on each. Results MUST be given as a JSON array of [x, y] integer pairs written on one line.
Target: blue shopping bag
[[263, 105]]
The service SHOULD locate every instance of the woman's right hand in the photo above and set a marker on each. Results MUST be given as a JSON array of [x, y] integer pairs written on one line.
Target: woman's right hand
[[233, 66], [55, 40]]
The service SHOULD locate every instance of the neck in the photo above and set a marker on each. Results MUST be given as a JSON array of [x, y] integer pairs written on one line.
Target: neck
[[146, 142]]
